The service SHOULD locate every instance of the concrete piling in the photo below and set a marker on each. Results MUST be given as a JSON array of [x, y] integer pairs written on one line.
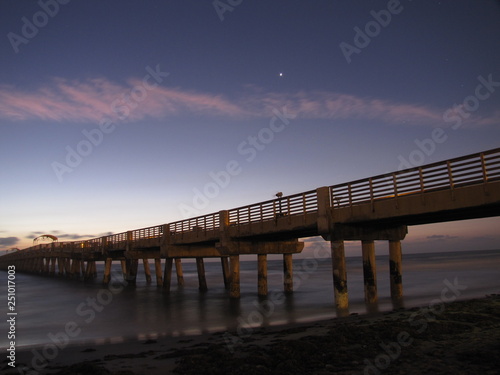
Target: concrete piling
[[178, 270], [67, 266], [123, 263], [52, 266], [234, 288], [369, 271], [395, 261], [147, 270], [225, 271], [107, 271], [262, 274], [339, 271], [288, 273], [132, 265], [60, 266], [167, 275], [89, 270], [94, 269], [200, 266], [75, 268], [158, 272]]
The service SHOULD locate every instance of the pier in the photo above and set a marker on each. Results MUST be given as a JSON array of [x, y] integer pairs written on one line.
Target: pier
[[378, 208]]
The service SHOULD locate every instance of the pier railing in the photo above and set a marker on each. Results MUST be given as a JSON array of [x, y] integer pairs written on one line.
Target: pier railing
[[297, 204], [147, 233], [450, 174], [205, 223]]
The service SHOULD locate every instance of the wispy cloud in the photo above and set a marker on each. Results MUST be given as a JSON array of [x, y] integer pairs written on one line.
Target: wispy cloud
[[94, 99], [67, 236], [441, 237], [8, 241]]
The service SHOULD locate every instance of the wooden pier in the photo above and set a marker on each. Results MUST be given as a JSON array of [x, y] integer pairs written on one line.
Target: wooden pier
[[367, 210]]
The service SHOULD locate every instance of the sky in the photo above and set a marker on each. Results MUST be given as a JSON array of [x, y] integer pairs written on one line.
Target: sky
[[118, 115]]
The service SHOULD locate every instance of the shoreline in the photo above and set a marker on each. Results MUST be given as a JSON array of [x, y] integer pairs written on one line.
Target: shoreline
[[459, 337]]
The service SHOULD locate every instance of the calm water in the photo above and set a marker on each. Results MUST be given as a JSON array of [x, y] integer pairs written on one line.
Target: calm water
[[46, 306]]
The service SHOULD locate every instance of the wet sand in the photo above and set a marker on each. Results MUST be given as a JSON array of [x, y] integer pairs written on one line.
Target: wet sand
[[461, 337]]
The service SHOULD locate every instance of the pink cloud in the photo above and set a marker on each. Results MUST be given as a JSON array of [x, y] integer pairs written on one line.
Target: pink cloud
[[94, 99]]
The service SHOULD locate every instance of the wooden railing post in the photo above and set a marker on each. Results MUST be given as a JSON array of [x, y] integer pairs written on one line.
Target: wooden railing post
[[130, 239], [483, 168], [324, 209], [395, 184], [421, 179]]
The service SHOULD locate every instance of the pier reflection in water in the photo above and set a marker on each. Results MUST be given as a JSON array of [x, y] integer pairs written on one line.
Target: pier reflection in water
[[118, 313]]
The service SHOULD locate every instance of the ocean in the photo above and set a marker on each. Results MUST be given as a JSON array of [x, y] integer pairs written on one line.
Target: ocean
[[49, 308]]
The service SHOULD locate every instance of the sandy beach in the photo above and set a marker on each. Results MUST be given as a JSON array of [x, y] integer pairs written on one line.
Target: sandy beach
[[461, 337]]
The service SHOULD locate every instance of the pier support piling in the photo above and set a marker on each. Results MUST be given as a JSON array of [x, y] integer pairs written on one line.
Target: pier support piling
[[339, 271], [132, 265], [75, 268], [124, 268], [395, 261], [262, 274], [167, 275], [288, 273], [234, 288], [107, 271], [67, 266], [369, 271], [52, 266], [90, 271], [60, 266], [94, 270], [202, 280], [225, 271], [147, 270], [158, 272], [178, 270]]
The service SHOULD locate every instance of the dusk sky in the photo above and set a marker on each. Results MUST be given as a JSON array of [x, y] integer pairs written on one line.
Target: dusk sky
[[117, 115]]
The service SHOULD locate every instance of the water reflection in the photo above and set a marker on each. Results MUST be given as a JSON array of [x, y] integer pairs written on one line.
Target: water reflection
[[144, 311]]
